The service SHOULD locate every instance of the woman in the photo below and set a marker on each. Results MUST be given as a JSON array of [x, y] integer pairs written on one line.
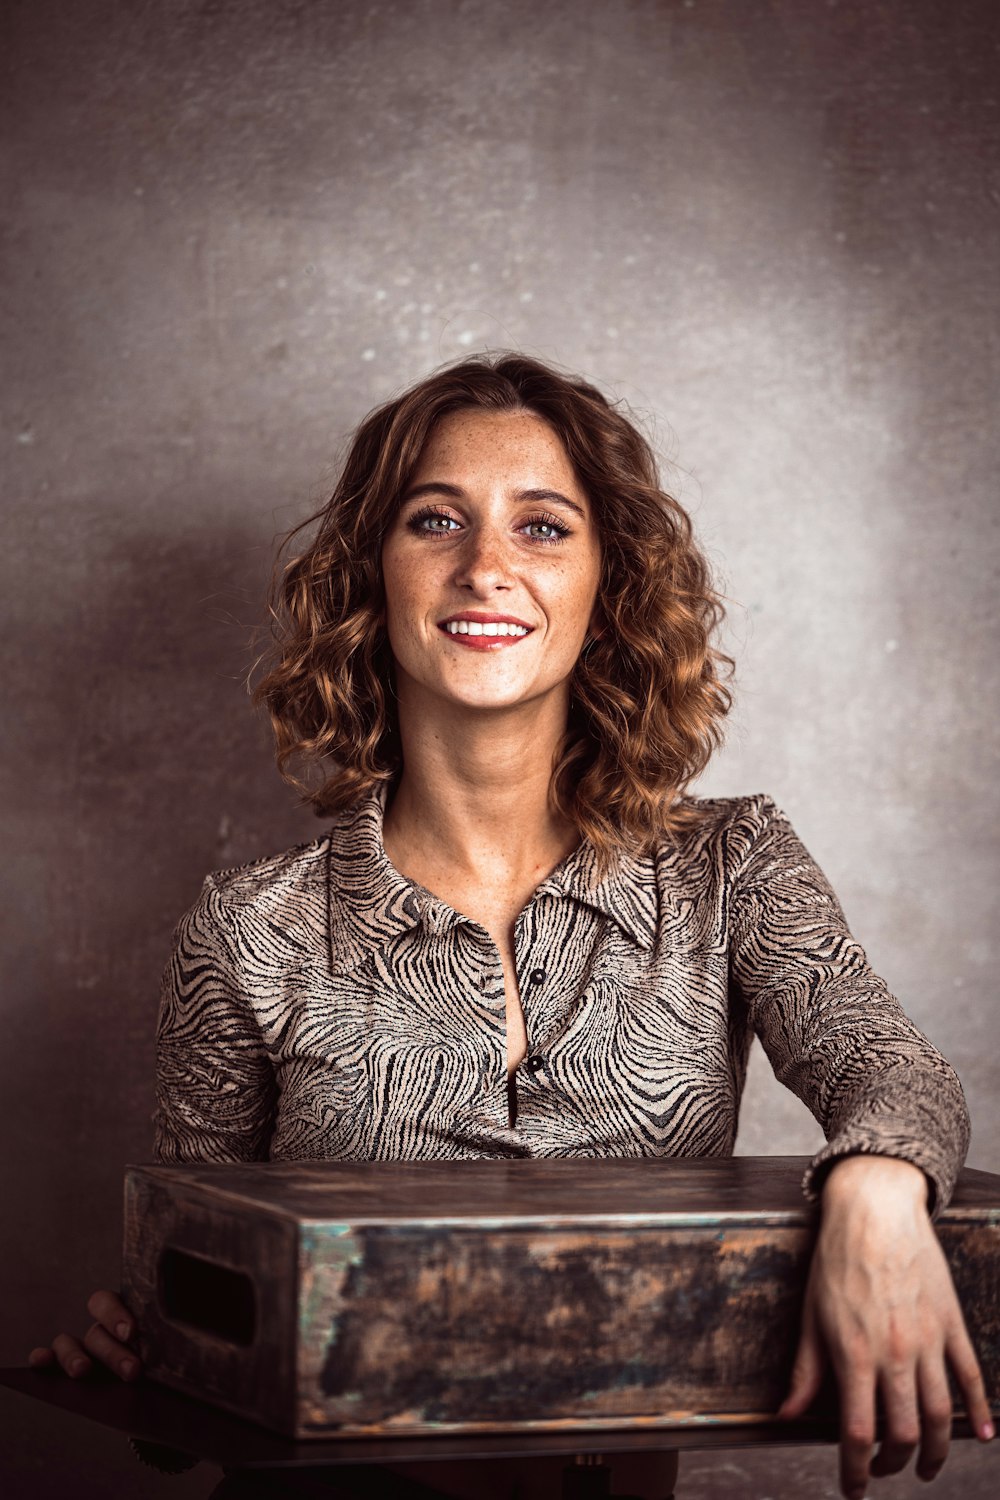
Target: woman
[[521, 937]]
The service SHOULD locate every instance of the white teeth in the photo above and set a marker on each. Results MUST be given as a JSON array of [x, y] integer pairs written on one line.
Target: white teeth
[[477, 627]]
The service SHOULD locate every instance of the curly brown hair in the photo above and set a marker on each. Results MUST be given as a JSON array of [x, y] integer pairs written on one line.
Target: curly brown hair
[[648, 695]]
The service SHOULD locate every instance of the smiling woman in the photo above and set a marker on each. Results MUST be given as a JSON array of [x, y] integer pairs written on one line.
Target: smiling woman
[[521, 936], [508, 468]]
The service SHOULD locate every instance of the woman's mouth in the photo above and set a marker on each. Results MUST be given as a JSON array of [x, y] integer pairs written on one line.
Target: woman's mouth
[[484, 635]]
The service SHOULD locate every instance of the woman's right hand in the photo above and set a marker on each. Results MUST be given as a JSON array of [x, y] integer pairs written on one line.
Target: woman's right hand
[[106, 1342]]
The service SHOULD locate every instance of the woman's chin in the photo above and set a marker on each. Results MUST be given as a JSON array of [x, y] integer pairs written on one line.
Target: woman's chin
[[498, 697]]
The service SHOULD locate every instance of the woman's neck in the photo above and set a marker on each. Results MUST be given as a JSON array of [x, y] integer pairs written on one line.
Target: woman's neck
[[473, 801]]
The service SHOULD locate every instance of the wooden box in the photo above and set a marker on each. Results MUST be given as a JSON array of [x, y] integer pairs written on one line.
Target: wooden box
[[469, 1296]]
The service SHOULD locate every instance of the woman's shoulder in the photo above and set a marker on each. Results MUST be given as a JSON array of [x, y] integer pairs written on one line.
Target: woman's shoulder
[[745, 843], [283, 894], [720, 837], [273, 909], [740, 819], [301, 864]]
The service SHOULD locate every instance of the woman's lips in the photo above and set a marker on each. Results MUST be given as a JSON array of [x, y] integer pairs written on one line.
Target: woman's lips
[[482, 642]]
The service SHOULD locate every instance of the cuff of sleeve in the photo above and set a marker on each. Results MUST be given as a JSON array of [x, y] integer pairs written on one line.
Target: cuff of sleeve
[[917, 1118]]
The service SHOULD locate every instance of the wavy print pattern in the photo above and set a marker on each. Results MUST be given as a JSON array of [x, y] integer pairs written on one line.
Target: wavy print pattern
[[319, 1005]]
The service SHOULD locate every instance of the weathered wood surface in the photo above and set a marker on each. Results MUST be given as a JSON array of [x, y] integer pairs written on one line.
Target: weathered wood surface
[[381, 1298]]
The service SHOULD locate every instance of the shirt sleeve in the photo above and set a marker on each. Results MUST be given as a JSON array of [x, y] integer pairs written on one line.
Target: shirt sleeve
[[832, 1031], [215, 1088]]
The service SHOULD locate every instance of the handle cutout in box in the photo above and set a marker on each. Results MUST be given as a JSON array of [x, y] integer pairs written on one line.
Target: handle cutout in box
[[212, 1298]]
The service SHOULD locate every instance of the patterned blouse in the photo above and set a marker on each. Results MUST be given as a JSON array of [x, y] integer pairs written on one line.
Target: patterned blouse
[[318, 1004]]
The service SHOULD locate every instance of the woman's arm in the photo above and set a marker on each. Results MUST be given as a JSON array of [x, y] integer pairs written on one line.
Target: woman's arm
[[832, 1031], [881, 1307], [215, 1087], [215, 1096]]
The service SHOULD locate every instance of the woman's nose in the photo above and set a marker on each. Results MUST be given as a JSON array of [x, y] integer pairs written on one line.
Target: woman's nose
[[484, 562]]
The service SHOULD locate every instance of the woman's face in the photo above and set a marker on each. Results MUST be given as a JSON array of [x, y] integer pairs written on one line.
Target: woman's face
[[491, 565]]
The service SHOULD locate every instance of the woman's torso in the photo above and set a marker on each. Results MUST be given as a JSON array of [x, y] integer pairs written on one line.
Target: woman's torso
[[388, 1020]]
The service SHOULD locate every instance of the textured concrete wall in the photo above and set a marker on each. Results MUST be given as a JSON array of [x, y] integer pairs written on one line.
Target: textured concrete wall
[[234, 225]]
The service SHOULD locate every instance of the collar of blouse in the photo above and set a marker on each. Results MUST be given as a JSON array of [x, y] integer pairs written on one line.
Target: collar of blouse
[[369, 902]]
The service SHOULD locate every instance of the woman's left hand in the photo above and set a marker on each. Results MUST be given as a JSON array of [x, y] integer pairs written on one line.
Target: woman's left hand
[[881, 1306]]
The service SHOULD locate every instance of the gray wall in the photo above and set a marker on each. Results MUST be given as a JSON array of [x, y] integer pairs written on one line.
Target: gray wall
[[233, 227]]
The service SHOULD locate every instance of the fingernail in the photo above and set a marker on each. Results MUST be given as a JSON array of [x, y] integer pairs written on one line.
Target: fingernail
[[78, 1367], [987, 1431], [128, 1368], [123, 1330]]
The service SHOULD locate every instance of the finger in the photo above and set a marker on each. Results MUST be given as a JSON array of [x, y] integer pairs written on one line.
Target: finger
[[108, 1309], [935, 1411], [99, 1343], [962, 1358], [71, 1355], [857, 1429], [807, 1371], [902, 1419], [39, 1358]]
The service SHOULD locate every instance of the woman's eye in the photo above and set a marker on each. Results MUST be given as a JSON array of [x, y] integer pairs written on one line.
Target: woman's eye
[[434, 522], [545, 529]]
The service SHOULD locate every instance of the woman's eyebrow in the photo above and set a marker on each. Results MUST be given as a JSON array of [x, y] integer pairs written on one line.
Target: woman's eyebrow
[[552, 497], [433, 487], [455, 492]]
